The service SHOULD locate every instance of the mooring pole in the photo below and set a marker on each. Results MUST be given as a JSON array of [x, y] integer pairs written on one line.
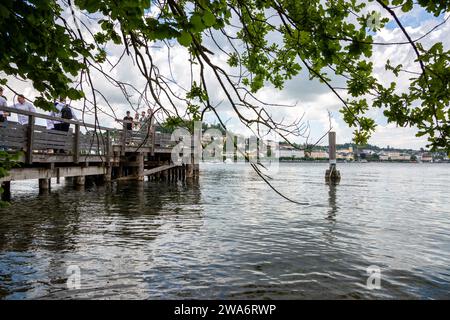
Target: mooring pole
[[332, 174], [6, 195], [44, 185], [235, 142]]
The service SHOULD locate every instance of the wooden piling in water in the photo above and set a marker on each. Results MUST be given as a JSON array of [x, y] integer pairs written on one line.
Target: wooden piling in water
[[247, 148], [44, 185], [332, 175], [140, 170], [235, 142], [257, 150], [6, 195], [79, 181]]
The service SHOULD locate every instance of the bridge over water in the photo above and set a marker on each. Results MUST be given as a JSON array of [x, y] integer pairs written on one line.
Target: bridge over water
[[86, 151]]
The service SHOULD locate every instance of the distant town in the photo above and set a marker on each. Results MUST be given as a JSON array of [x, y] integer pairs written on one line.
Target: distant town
[[351, 152], [347, 152]]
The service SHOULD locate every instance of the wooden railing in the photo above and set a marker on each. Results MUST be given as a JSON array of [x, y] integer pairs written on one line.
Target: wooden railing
[[94, 141], [35, 139]]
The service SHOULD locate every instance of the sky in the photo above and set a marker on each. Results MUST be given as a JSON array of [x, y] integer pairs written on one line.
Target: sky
[[312, 99]]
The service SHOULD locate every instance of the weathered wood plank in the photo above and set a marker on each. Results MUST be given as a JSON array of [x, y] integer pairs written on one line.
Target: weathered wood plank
[[66, 158], [47, 117], [5, 139], [12, 125], [159, 169], [76, 144], [46, 173], [14, 144], [51, 137]]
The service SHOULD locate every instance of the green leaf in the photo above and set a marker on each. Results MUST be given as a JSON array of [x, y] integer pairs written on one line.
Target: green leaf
[[407, 6], [185, 39], [209, 19], [197, 23]]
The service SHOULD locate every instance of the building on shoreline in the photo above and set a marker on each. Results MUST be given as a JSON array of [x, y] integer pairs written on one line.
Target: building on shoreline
[[345, 154], [394, 156], [291, 152]]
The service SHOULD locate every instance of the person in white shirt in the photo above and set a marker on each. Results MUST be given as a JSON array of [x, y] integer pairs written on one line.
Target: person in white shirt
[[3, 103], [50, 123], [25, 106], [58, 106]]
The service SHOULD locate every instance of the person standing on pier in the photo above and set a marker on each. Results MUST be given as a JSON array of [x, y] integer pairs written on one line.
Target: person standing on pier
[[129, 125], [136, 121], [64, 112], [24, 105], [143, 123], [147, 122], [3, 103], [142, 119]]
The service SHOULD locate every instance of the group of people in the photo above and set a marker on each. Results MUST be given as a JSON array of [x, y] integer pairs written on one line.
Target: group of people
[[140, 122], [64, 111]]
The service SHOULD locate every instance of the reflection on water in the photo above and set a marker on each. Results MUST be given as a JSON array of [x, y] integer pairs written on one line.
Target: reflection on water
[[229, 236]]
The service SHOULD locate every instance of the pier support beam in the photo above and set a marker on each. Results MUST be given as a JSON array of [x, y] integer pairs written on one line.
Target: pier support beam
[[332, 175], [6, 195], [107, 177], [44, 185], [79, 181], [68, 180], [247, 149], [140, 168], [235, 147], [189, 171]]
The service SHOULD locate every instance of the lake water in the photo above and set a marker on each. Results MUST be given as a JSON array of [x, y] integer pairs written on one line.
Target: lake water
[[230, 236]]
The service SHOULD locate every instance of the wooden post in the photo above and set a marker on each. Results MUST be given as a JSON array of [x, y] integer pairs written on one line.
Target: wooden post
[[140, 171], [332, 175], [332, 147], [124, 137], [6, 195], [190, 165], [247, 147], [44, 185], [224, 149], [235, 142], [58, 175], [257, 149], [30, 140], [80, 180], [108, 175], [153, 130], [76, 144], [108, 147]]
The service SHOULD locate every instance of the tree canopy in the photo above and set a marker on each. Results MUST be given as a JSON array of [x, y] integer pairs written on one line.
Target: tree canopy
[[271, 41]]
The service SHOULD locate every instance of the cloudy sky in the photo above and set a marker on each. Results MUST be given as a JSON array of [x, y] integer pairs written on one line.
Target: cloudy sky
[[310, 98]]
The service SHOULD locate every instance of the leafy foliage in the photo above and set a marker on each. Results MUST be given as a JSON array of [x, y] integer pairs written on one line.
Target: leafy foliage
[[276, 41]]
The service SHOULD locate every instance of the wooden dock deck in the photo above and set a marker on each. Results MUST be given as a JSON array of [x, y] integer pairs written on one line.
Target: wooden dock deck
[[86, 151]]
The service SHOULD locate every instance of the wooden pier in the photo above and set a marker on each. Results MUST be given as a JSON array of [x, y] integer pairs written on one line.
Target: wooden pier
[[86, 151]]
